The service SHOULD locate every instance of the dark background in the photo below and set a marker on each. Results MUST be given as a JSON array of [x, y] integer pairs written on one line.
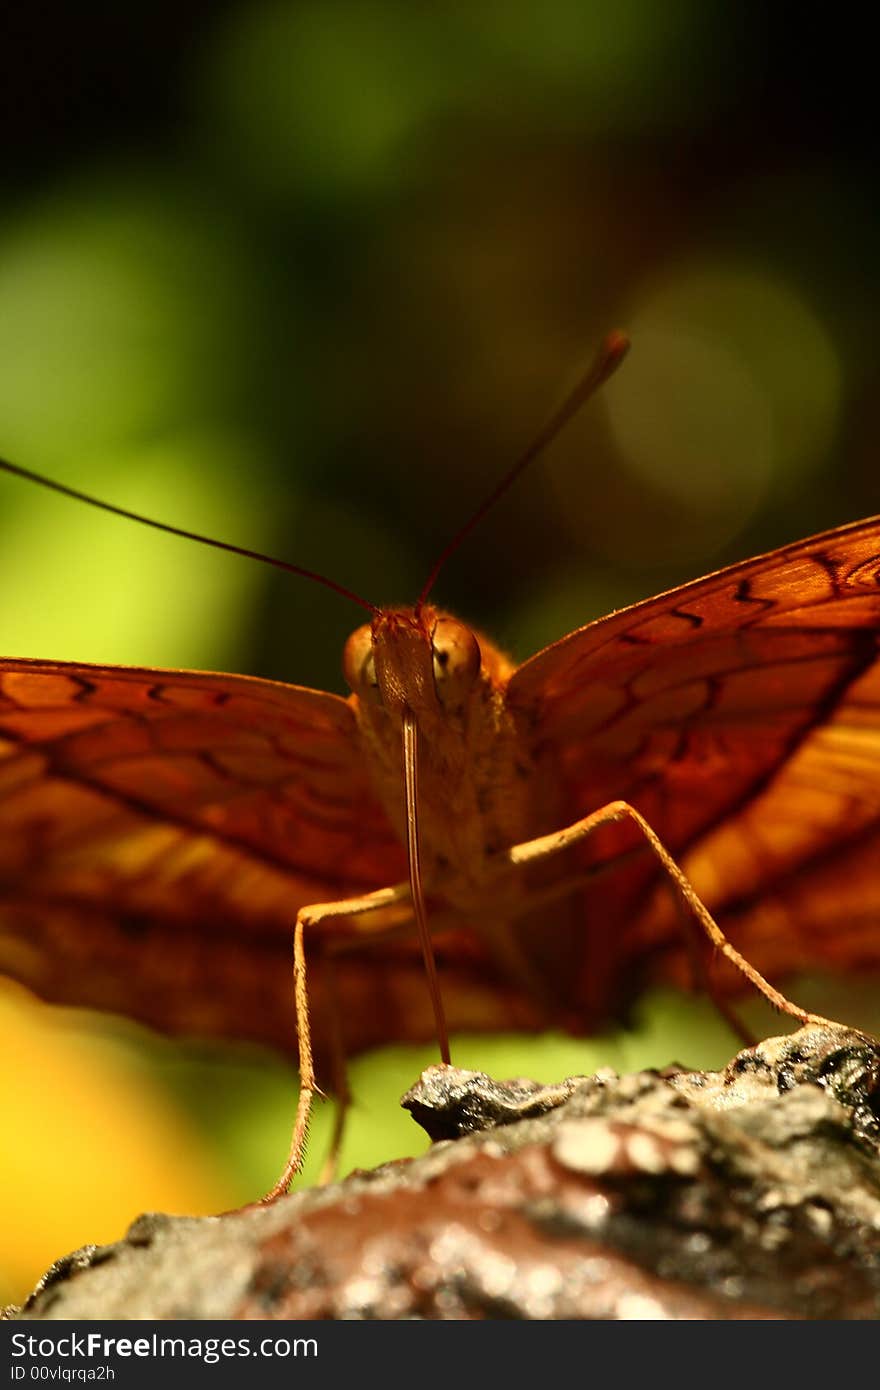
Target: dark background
[[308, 276]]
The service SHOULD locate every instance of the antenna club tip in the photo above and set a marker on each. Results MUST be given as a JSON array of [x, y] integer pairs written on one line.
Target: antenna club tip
[[615, 348]]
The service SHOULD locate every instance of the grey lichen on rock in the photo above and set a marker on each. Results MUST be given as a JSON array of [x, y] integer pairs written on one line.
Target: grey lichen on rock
[[750, 1192]]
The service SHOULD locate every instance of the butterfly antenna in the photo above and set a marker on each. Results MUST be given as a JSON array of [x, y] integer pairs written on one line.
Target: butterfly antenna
[[608, 359], [78, 496]]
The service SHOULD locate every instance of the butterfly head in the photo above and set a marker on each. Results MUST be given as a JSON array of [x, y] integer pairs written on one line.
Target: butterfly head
[[420, 660]]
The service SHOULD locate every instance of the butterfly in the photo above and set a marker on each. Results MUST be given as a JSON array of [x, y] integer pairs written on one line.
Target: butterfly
[[161, 832]]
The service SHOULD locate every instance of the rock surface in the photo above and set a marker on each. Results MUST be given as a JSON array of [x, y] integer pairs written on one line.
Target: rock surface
[[750, 1192]]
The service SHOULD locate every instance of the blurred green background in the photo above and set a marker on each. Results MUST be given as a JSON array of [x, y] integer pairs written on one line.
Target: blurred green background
[[307, 277]]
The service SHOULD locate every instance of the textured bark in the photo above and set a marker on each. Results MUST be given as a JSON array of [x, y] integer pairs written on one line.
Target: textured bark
[[751, 1192]]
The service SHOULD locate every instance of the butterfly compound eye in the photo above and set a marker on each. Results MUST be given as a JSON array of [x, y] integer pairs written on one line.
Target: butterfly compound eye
[[456, 653], [358, 663]]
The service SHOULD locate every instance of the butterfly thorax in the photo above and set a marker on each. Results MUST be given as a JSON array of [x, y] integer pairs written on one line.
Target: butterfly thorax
[[473, 774]]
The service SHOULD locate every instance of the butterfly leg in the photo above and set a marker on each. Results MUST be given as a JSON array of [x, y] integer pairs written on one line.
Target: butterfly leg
[[532, 851], [703, 979], [310, 917], [341, 1091]]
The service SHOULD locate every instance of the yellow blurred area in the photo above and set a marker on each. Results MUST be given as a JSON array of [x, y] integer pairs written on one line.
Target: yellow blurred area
[[90, 1140], [171, 602], [120, 310]]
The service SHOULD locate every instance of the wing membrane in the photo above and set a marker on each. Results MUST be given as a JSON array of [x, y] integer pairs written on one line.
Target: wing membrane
[[741, 715], [160, 829]]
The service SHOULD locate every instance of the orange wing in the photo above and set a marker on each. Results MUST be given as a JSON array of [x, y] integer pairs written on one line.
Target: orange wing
[[741, 715], [159, 830]]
